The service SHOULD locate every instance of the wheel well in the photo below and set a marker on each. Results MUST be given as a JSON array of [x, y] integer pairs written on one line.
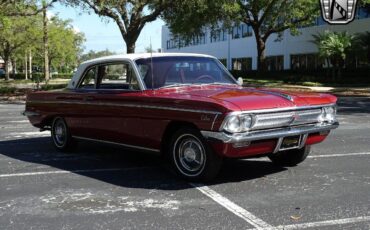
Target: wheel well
[[172, 127], [46, 124]]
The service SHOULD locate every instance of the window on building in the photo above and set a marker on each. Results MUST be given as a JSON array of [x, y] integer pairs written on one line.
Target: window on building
[[305, 61], [275, 63], [246, 31], [218, 35], [243, 64], [237, 32]]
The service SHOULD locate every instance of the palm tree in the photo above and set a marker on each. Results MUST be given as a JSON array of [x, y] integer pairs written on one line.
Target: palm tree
[[363, 44], [334, 47]]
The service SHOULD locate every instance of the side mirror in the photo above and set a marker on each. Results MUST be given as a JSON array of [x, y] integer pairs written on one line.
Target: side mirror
[[240, 81]]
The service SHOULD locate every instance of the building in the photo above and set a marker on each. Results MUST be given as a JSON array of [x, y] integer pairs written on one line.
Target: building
[[237, 50]]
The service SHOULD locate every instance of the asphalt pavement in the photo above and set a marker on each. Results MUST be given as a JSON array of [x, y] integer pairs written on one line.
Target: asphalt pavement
[[106, 187]]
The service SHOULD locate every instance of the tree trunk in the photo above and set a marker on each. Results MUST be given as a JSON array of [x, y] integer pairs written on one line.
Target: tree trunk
[[14, 67], [7, 70], [30, 64], [261, 47], [25, 66], [130, 47], [46, 43]]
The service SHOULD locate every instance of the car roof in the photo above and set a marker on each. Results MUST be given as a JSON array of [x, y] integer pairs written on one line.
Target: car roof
[[135, 56]]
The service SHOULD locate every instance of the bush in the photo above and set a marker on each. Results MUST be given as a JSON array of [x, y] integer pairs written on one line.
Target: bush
[[39, 77], [349, 76]]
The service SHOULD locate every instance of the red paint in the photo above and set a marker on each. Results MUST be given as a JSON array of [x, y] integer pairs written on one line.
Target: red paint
[[104, 114]]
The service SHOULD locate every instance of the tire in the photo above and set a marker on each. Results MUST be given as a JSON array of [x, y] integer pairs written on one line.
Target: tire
[[191, 157], [61, 136], [290, 157]]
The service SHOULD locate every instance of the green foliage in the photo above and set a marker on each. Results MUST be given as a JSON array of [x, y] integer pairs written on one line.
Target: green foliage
[[130, 16], [189, 17], [334, 46], [95, 54]]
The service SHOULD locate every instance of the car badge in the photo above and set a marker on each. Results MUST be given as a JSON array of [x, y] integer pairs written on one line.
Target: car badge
[[338, 11]]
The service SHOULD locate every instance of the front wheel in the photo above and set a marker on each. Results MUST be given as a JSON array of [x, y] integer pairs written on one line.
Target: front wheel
[[191, 157], [61, 136], [290, 157]]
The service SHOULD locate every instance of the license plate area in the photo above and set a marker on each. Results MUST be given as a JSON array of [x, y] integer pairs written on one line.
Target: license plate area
[[292, 142]]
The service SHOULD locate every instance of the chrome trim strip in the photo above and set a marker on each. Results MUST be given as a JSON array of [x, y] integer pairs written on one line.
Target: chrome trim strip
[[286, 109], [268, 134], [127, 105], [115, 143], [30, 114]]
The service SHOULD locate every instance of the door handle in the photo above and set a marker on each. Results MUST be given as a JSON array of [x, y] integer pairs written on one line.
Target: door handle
[[89, 98]]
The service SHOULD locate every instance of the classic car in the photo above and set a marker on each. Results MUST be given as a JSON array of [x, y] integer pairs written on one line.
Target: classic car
[[186, 107]]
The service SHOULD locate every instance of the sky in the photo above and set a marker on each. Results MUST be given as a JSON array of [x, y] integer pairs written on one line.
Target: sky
[[103, 33]]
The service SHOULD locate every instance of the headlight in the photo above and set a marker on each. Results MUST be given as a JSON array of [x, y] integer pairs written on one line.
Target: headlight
[[237, 123], [328, 114]]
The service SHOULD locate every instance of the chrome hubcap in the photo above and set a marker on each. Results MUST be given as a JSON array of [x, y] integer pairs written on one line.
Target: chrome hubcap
[[59, 133], [191, 154]]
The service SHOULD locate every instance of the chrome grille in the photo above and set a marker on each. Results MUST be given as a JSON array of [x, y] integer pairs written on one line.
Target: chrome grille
[[282, 119]]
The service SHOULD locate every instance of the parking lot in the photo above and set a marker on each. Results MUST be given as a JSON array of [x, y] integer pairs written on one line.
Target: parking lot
[[106, 187]]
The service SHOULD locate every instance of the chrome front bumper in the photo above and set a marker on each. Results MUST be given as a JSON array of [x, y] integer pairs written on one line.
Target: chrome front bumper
[[268, 134]]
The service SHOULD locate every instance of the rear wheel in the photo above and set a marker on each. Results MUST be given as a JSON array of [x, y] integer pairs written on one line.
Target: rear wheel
[[290, 157], [61, 135], [191, 157]]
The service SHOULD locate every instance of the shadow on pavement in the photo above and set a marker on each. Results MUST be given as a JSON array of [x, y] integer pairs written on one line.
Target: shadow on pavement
[[137, 169], [353, 105]]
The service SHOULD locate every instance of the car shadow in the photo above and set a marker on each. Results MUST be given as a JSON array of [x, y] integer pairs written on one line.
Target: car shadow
[[119, 166], [353, 105]]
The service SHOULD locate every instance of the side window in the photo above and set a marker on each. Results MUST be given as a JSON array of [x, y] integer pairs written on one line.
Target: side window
[[116, 76], [88, 81]]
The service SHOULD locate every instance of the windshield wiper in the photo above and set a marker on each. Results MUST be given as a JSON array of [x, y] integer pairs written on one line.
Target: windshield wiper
[[175, 85]]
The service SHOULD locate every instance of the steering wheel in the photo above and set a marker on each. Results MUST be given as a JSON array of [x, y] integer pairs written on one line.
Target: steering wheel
[[205, 76]]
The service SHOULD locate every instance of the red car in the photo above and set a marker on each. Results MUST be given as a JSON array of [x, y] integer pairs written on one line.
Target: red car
[[186, 107]]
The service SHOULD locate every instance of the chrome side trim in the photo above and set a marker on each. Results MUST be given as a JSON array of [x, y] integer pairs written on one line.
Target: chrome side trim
[[115, 143], [127, 105], [269, 134], [30, 114]]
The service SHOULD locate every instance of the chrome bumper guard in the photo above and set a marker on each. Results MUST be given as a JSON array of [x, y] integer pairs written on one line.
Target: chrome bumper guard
[[269, 134]]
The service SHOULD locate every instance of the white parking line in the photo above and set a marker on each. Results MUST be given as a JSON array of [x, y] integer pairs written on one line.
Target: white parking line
[[232, 207], [318, 224], [339, 155], [68, 172]]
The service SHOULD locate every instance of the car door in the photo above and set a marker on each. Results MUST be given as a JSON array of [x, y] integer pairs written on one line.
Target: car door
[[111, 107]]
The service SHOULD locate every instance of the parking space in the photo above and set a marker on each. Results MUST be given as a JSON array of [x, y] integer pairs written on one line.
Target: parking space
[[105, 187]]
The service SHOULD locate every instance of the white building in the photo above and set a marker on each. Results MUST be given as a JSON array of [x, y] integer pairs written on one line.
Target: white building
[[238, 50]]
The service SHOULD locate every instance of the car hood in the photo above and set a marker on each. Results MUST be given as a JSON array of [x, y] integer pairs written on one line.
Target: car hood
[[259, 98]]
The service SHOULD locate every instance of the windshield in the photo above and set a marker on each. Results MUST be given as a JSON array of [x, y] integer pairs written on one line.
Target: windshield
[[177, 71]]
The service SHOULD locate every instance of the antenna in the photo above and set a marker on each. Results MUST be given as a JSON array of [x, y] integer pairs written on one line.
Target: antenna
[[151, 62]]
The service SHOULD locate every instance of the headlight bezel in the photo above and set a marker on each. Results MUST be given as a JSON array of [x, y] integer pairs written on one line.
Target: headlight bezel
[[245, 122]]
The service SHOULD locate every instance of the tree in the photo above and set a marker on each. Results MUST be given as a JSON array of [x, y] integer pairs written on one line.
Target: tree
[[93, 54], [14, 35], [266, 17], [10, 8], [362, 45], [130, 16], [334, 46]]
